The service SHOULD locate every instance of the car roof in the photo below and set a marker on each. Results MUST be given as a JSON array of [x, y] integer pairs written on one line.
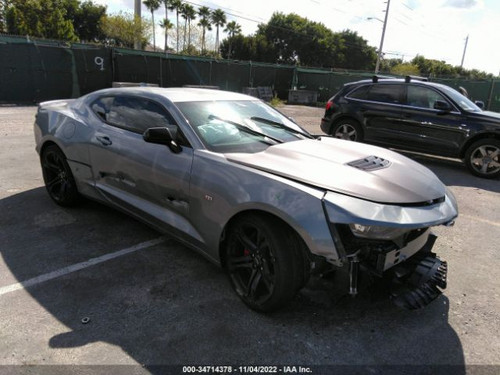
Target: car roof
[[394, 80], [177, 94]]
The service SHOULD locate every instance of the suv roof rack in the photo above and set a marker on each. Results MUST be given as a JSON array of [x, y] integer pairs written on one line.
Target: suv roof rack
[[375, 78], [415, 78]]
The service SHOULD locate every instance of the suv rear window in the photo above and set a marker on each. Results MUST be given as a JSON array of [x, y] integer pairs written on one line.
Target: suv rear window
[[378, 93], [385, 93]]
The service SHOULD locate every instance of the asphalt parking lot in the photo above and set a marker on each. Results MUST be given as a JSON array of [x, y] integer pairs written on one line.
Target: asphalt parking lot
[[91, 286]]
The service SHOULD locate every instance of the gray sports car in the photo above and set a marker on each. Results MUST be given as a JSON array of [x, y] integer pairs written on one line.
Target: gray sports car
[[248, 188]]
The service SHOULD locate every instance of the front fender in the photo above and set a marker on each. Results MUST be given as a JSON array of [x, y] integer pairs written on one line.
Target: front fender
[[220, 190]]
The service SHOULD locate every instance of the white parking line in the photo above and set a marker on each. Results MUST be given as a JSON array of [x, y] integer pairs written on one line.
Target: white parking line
[[78, 266]]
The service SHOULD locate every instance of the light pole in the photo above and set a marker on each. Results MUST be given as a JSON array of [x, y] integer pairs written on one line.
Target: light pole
[[379, 55], [465, 49], [137, 16]]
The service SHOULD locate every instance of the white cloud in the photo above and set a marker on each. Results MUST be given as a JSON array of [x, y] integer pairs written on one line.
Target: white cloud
[[463, 4]]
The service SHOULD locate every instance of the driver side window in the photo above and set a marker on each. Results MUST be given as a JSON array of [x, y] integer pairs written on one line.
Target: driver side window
[[423, 97], [136, 115]]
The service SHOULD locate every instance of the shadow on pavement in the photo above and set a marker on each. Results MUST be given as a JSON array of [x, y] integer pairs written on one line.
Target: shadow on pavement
[[453, 172], [167, 305]]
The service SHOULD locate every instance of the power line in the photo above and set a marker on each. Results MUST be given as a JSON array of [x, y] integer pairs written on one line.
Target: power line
[[355, 46], [398, 10], [407, 6]]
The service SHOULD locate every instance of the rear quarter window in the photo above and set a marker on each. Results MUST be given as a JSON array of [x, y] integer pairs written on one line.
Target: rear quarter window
[[359, 92], [101, 107]]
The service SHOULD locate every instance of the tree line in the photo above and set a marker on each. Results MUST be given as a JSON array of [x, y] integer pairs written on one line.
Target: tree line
[[286, 39]]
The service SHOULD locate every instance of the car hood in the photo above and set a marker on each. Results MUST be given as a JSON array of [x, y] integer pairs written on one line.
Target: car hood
[[487, 115], [363, 171]]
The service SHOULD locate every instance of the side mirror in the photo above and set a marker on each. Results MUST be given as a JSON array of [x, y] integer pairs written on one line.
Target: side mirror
[[479, 103], [162, 136], [442, 106]]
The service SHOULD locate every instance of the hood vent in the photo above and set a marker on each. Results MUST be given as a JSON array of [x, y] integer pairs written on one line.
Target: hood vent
[[370, 163]]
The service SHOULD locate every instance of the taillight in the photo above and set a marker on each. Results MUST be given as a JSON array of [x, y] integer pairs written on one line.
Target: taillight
[[330, 108]]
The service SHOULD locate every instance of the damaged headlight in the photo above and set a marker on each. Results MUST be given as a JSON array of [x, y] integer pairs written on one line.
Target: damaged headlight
[[377, 232]]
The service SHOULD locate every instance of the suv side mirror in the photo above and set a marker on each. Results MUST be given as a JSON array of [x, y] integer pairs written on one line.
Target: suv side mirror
[[442, 106], [162, 136], [479, 103]]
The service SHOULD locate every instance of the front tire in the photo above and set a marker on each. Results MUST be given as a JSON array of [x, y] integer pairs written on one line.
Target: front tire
[[262, 262], [483, 158], [347, 129], [58, 178]]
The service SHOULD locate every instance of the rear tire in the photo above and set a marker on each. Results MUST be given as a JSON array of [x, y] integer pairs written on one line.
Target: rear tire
[[482, 158], [347, 129], [263, 262], [58, 178]]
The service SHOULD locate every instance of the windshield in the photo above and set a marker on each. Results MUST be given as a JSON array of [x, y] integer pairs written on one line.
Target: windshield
[[461, 100], [239, 125]]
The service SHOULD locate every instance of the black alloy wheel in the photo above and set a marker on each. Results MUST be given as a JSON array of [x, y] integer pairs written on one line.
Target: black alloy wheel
[[264, 269], [483, 158], [58, 178]]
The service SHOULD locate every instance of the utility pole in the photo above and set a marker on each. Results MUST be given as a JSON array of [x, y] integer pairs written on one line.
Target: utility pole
[[465, 49], [137, 15], [379, 55]]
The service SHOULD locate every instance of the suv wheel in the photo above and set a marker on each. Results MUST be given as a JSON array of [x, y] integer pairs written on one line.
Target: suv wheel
[[347, 129], [483, 158]]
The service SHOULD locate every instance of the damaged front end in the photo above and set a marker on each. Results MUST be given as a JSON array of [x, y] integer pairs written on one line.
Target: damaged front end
[[393, 242]]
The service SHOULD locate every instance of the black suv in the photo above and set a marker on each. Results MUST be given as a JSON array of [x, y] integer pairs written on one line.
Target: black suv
[[413, 114]]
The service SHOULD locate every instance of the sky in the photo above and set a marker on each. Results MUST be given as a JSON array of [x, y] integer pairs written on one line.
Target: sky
[[435, 29]]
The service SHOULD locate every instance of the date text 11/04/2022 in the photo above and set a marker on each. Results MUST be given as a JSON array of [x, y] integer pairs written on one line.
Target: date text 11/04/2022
[[247, 369]]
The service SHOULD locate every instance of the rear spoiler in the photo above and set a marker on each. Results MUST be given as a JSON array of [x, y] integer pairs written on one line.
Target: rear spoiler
[[55, 103]]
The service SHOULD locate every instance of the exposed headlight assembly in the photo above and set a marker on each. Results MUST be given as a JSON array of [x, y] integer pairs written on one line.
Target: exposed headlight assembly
[[377, 232]]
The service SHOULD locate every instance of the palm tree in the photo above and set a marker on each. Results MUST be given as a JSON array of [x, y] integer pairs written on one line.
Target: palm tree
[[167, 4], [190, 14], [167, 25], [232, 28], [176, 5], [182, 11], [204, 13], [219, 19], [152, 5]]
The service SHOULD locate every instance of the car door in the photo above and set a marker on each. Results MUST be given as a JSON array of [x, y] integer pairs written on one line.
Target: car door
[[148, 180], [427, 129], [381, 110]]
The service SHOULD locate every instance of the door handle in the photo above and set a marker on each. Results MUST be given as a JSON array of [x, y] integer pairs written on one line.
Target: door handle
[[104, 139]]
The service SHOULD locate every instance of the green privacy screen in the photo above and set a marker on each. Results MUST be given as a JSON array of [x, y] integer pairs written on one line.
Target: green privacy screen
[[38, 70], [169, 70], [32, 71]]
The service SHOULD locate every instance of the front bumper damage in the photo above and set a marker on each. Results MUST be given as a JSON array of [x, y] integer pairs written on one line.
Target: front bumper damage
[[420, 280], [416, 276]]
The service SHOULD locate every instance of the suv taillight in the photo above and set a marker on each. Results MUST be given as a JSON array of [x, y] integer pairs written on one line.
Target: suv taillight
[[330, 108]]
